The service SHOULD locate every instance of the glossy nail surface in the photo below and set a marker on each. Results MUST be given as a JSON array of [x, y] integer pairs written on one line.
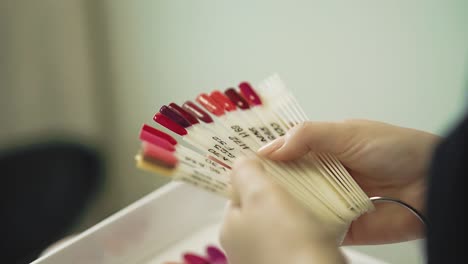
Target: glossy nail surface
[[249, 94], [240, 102], [159, 133], [197, 111], [223, 101], [190, 117], [174, 116], [209, 104], [169, 124]]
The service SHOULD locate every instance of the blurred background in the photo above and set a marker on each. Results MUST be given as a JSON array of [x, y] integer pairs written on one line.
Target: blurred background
[[78, 78]]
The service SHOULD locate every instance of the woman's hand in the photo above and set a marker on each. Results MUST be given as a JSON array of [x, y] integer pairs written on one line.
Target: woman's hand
[[263, 224], [385, 160]]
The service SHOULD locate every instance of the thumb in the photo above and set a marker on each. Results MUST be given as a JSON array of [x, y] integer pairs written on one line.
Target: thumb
[[324, 137]]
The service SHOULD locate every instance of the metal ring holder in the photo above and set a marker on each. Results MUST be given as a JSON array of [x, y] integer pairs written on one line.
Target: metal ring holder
[[381, 199]]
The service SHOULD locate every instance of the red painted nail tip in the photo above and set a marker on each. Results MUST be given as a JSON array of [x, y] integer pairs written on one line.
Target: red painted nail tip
[[223, 101], [210, 104], [155, 140], [215, 255], [249, 94], [159, 133], [174, 116], [197, 111], [169, 124], [159, 154], [190, 258], [192, 119], [236, 98]]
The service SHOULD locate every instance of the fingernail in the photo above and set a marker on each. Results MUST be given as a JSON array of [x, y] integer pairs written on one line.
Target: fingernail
[[271, 147]]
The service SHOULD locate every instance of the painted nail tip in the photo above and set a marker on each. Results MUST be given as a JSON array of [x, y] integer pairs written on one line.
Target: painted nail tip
[[191, 258], [169, 124], [216, 255], [197, 111], [159, 154], [155, 140], [189, 116], [174, 116], [209, 104], [236, 98], [248, 92], [223, 101], [158, 133]]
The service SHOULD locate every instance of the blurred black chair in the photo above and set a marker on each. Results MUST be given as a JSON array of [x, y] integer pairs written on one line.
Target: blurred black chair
[[43, 191]]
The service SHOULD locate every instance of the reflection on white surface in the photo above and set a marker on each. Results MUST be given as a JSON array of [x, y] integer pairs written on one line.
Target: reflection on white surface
[[197, 242], [159, 227]]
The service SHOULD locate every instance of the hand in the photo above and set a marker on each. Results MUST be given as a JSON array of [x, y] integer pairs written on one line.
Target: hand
[[263, 224], [385, 160]]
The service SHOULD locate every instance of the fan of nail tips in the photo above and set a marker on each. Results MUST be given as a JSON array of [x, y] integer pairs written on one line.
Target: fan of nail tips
[[221, 126]]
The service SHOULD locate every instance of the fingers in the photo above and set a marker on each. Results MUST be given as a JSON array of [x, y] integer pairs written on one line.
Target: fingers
[[334, 138], [230, 226], [247, 179]]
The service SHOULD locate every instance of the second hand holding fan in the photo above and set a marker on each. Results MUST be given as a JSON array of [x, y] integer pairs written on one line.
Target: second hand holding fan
[[242, 122]]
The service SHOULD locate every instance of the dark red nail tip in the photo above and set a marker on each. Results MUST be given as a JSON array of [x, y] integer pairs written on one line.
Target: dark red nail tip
[[223, 101], [174, 116], [159, 133], [211, 105], [197, 111], [192, 119], [236, 98], [169, 124], [249, 94]]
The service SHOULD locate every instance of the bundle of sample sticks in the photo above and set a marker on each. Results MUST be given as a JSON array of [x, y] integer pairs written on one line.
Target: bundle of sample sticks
[[222, 126]]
